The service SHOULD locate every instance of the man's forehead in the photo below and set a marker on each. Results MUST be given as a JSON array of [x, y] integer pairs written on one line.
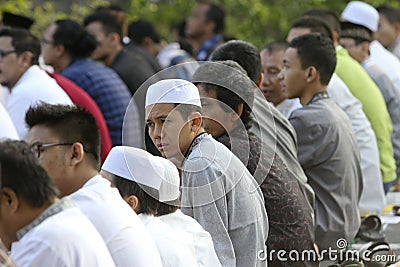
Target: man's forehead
[[159, 109]]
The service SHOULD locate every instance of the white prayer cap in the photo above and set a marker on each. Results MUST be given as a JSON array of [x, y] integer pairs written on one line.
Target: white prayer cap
[[361, 13], [173, 91], [139, 166]]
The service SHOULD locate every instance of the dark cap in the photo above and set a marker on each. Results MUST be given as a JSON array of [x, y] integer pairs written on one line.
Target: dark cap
[[17, 21]]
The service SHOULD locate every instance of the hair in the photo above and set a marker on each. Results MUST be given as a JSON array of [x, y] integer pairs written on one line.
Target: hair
[[314, 24], [357, 32], [77, 42], [168, 207], [186, 109], [216, 15], [119, 14], [244, 53], [390, 13], [21, 171], [22, 41], [70, 124], [140, 29], [316, 50], [108, 21], [148, 197], [276, 46], [232, 86], [328, 16]]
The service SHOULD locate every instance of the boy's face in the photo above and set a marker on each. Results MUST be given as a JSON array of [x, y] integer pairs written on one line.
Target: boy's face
[[169, 131], [293, 76], [214, 116]]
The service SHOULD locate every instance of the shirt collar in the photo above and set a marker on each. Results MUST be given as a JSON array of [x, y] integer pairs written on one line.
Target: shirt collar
[[57, 207], [194, 143]]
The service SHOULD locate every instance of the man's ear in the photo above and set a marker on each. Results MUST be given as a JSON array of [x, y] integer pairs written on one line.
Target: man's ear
[[60, 49], [133, 202], [312, 74], [76, 153], [9, 199], [259, 80], [25, 59], [115, 38], [195, 120], [365, 47]]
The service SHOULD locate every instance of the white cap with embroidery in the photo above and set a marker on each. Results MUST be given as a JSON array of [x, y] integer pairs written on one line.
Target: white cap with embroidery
[[139, 166], [361, 13], [173, 91]]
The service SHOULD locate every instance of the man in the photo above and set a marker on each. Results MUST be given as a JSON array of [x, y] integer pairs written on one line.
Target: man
[[363, 88], [37, 227], [373, 196], [72, 160], [268, 123], [227, 95], [148, 183], [217, 190], [27, 83], [364, 14], [327, 147], [272, 64], [356, 39], [66, 46], [388, 33], [204, 29]]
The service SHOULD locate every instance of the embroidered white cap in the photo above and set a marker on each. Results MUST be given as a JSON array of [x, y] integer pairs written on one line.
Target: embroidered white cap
[[173, 91], [139, 166], [361, 13]]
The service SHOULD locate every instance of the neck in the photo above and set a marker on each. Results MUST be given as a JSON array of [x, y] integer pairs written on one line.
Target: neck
[[110, 59], [306, 98], [62, 63], [197, 42]]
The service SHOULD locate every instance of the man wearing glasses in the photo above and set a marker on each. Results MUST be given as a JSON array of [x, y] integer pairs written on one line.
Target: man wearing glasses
[[66, 141], [20, 73]]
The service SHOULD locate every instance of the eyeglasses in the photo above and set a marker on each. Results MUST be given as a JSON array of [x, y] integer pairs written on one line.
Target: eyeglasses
[[46, 42], [36, 148], [5, 53]]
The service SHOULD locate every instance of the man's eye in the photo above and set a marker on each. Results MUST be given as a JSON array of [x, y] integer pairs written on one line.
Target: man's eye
[[150, 124]]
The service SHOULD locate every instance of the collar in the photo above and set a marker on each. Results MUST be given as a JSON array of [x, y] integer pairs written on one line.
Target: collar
[[194, 143], [204, 50], [59, 206], [319, 96]]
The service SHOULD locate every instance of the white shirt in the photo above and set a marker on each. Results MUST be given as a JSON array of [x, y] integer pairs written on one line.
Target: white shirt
[[287, 106], [125, 236], [202, 241], [388, 62], [7, 128], [33, 87], [372, 197], [175, 246], [64, 239]]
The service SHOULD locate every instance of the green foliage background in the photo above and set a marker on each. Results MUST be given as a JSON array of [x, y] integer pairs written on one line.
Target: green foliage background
[[257, 21]]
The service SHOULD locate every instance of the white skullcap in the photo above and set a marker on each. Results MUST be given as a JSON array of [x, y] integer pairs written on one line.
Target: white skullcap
[[361, 13], [139, 166], [173, 91]]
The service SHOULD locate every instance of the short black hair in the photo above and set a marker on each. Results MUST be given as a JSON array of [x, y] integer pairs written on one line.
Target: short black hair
[[70, 124], [231, 84], [21, 171], [316, 50], [77, 42], [244, 53], [328, 16], [22, 41], [147, 196], [139, 29], [108, 21], [186, 109], [314, 24], [276, 46], [390, 13], [215, 14]]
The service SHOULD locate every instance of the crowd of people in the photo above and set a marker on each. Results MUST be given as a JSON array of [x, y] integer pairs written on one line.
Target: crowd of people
[[119, 149]]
